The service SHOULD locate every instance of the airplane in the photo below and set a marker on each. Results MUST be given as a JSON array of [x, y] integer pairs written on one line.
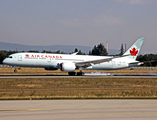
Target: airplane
[[71, 62]]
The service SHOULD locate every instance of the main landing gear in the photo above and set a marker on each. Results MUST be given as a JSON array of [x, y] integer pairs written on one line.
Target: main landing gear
[[80, 73], [74, 73]]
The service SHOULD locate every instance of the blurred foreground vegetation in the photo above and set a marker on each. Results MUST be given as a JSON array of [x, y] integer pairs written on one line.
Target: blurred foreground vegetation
[[59, 88]]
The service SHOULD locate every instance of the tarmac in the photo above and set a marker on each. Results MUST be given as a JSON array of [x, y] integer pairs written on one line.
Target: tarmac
[[91, 109]]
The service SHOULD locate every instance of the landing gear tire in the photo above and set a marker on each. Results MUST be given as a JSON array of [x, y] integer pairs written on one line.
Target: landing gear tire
[[80, 73], [71, 73]]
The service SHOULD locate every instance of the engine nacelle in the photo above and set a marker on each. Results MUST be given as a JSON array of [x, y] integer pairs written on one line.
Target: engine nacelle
[[67, 67], [51, 68]]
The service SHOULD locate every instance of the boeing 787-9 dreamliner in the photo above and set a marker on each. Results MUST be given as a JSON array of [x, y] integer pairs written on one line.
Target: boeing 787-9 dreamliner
[[70, 62]]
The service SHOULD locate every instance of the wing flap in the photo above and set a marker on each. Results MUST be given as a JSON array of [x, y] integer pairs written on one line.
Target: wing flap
[[88, 63]]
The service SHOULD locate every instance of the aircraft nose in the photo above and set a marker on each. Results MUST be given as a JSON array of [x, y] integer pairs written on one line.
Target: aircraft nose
[[4, 61]]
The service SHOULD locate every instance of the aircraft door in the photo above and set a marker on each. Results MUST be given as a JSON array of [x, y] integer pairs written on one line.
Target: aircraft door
[[48, 59], [113, 63], [20, 57], [119, 63]]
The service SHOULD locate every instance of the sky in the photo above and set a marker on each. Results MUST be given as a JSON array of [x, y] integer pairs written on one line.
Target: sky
[[79, 22]]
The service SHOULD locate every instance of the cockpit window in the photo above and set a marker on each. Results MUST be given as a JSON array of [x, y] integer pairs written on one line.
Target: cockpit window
[[10, 57]]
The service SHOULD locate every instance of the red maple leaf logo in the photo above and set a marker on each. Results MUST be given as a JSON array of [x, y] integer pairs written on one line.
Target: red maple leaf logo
[[27, 55], [133, 52]]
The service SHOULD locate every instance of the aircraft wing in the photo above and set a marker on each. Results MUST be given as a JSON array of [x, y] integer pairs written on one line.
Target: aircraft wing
[[98, 61]]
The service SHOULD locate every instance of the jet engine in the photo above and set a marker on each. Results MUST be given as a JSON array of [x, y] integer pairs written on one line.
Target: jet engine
[[67, 67]]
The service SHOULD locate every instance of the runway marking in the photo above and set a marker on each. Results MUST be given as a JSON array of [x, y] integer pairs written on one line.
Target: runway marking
[[37, 109]]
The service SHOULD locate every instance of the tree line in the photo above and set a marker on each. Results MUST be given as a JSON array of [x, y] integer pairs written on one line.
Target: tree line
[[99, 50]]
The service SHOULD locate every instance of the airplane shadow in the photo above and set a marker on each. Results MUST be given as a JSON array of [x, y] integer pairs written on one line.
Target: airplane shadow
[[30, 75], [49, 75]]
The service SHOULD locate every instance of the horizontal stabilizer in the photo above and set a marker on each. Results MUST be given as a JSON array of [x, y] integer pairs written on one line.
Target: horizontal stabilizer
[[140, 63]]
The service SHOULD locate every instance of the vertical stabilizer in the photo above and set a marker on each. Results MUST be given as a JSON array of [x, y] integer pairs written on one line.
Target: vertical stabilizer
[[134, 49]]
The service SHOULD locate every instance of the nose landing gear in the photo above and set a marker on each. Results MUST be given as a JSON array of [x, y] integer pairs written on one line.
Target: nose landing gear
[[15, 69]]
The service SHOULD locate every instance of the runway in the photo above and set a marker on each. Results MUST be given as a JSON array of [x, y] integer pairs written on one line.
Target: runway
[[85, 76], [113, 109]]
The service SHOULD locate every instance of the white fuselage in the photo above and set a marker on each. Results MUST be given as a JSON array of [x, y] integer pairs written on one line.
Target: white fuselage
[[45, 60]]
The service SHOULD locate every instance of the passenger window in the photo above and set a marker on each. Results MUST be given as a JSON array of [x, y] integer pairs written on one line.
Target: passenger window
[[10, 57]]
